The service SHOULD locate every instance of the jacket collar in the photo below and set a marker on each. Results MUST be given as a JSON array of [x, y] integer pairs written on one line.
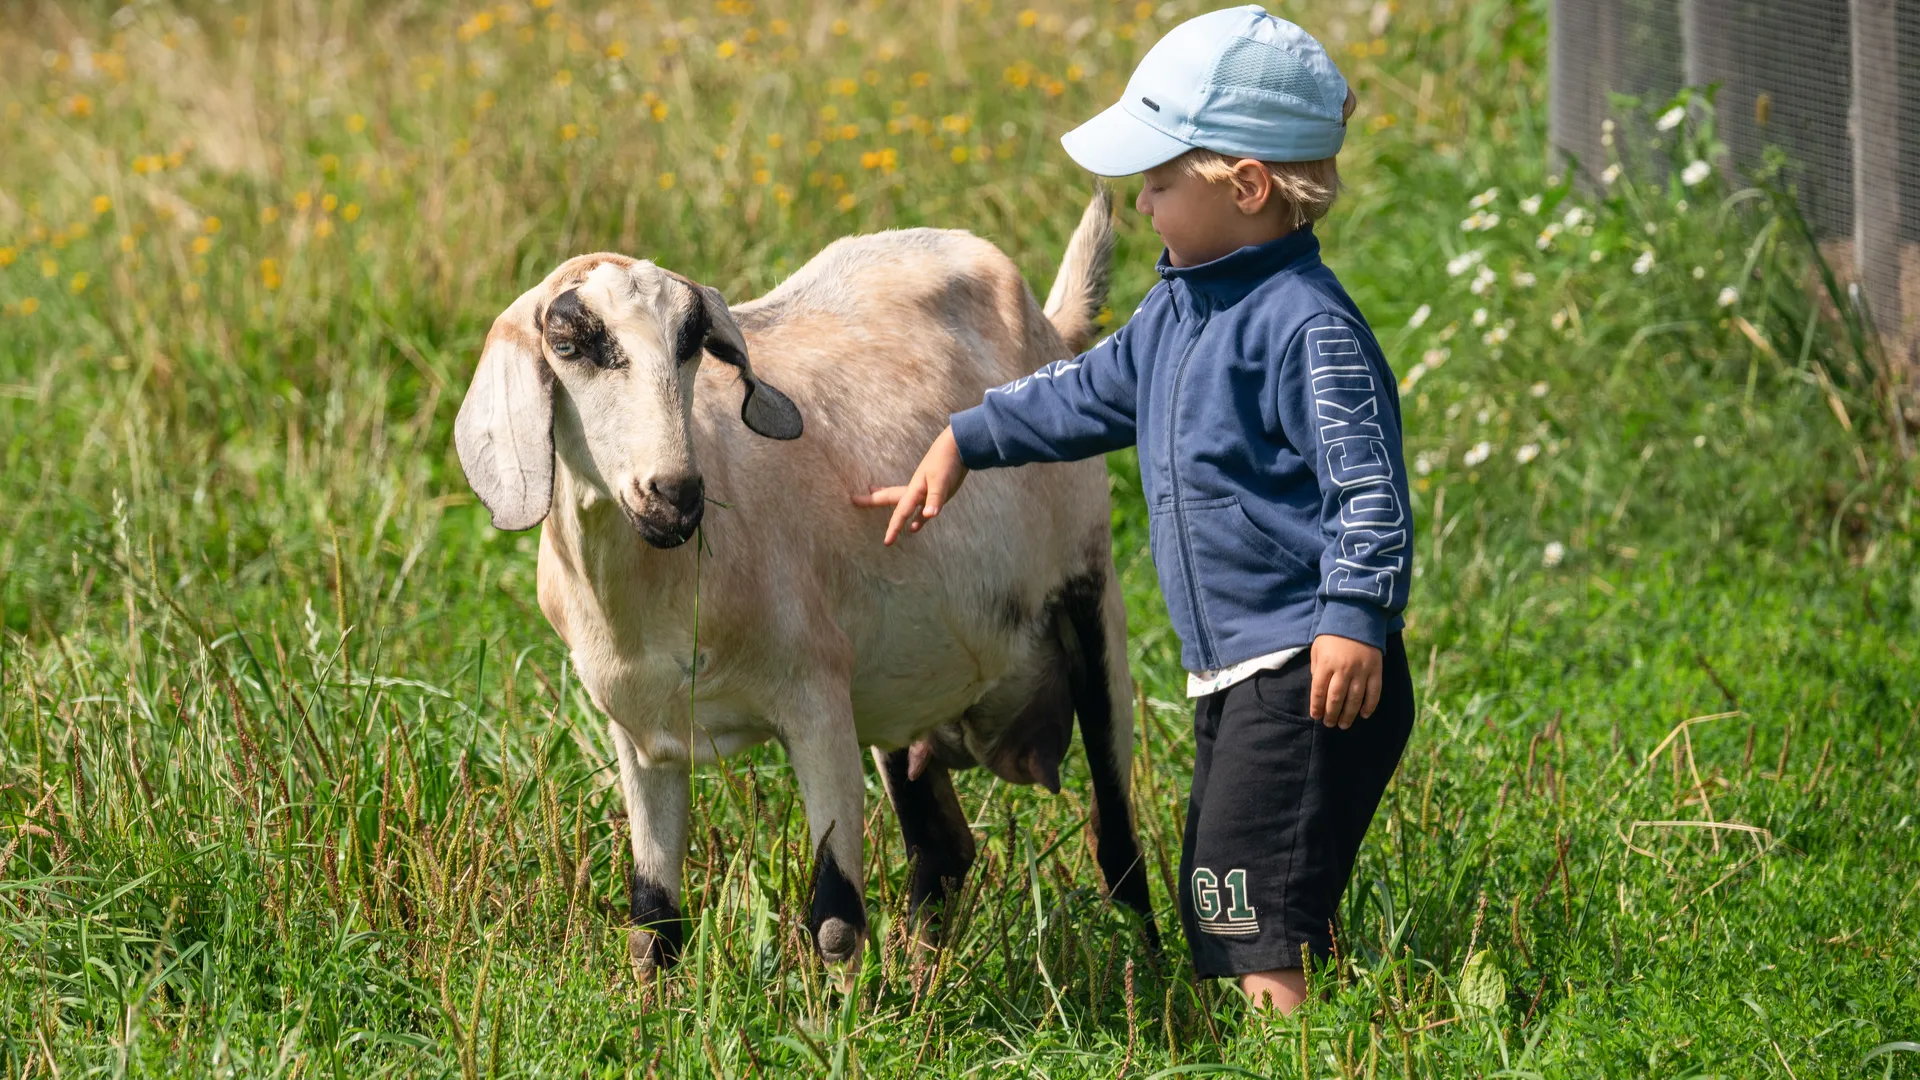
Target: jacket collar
[[1230, 277]]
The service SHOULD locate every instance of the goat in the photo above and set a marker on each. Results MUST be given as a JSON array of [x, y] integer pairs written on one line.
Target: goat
[[600, 406]]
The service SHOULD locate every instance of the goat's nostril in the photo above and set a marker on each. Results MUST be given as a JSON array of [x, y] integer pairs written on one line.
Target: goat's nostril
[[685, 494]]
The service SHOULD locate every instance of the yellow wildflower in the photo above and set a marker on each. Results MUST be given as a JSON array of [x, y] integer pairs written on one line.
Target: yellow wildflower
[[269, 215], [959, 155], [919, 80], [957, 124], [616, 50], [302, 200], [29, 305], [191, 292], [563, 78], [49, 268], [78, 284], [210, 226], [102, 204], [849, 131], [775, 141], [7, 255], [829, 113], [781, 194], [356, 124], [201, 245], [323, 228], [1142, 11], [840, 28], [330, 163], [126, 243], [659, 110], [847, 202], [1028, 18], [762, 176], [80, 105], [780, 27], [569, 132], [845, 87], [665, 180], [269, 274], [726, 48], [350, 212]]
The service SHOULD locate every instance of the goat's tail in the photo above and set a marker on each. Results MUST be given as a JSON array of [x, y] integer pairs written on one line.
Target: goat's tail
[[1081, 286]]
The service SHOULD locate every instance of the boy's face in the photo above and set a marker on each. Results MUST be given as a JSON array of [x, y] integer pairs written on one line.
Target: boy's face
[[1201, 221]]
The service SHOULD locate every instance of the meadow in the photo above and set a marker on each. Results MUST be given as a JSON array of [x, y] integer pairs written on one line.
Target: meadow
[[296, 782]]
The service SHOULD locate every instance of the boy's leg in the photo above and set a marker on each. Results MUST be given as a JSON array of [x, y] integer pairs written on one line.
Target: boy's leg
[[1287, 803]]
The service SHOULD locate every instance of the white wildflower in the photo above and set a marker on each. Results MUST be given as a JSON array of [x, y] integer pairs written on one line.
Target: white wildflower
[[1539, 389], [1479, 222], [1524, 279], [1482, 281], [1426, 460], [1595, 255], [1420, 316], [1545, 239], [1527, 453], [1483, 199], [1530, 205], [1554, 553], [1699, 273], [1560, 319], [1489, 222], [1464, 262], [1606, 125], [1699, 442], [1483, 416], [1573, 217], [1729, 296], [1644, 263], [1610, 174], [1671, 118], [1695, 172], [1681, 206], [1433, 358], [1495, 336], [1480, 452], [1446, 332], [1650, 228], [1479, 316], [1413, 376]]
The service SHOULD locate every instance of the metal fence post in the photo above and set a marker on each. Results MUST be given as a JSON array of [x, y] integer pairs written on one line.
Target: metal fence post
[[1876, 161]]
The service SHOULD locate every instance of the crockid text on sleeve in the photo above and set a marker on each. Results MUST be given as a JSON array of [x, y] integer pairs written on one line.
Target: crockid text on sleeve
[[1338, 406]]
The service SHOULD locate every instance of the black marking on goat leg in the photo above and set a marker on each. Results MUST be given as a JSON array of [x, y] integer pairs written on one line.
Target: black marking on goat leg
[[939, 844], [653, 910], [839, 919], [1116, 847]]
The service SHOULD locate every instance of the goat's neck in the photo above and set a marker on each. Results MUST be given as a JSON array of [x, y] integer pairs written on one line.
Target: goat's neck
[[631, 579]]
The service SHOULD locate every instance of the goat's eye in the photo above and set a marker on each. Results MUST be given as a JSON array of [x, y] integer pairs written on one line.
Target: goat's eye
[[564, 349]]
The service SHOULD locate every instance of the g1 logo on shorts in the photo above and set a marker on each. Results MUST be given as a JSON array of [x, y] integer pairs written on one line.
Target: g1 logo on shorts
[[1237, 919]]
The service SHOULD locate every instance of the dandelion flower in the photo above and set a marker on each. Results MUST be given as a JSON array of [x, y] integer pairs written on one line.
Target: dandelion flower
[[1695, 172], [1644, 263], [1671, 118], [1729, 296], [1527, 453], [1420, 316], [102, 204], [1554, 553]]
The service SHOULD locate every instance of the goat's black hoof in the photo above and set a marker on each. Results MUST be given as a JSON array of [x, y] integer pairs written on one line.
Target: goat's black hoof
[[838, 941]]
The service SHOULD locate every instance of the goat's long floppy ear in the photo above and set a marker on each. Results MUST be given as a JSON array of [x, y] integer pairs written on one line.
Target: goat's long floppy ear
[[504, 432], [765, 410]]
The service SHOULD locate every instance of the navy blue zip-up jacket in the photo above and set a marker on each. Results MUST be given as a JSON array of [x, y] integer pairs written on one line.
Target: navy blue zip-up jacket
[[1269, 431]]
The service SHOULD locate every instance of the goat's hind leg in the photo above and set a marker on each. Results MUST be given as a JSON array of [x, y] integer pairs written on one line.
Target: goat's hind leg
[[940, 847], [657, 806], [1096, 618]]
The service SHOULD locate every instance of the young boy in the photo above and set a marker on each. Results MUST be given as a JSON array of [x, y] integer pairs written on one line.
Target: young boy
[[1269, 434]]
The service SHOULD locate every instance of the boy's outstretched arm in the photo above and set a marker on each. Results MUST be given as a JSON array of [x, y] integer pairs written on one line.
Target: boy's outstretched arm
[[1068, 410], [1338, 406]]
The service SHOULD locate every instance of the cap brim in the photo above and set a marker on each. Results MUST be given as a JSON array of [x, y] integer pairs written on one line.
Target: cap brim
[[1117, 143]]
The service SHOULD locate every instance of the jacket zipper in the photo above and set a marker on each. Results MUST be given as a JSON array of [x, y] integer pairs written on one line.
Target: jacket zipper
[[1173, 476]]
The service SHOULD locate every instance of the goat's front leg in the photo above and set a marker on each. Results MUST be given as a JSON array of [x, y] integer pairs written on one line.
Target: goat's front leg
[[826, 762], [657, 804]]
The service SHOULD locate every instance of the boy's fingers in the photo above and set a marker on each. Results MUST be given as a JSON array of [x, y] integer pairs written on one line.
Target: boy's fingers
[[1373, 694], [1336, 698], [1317, 701], [880, 496], [936, 498], [903, 511]]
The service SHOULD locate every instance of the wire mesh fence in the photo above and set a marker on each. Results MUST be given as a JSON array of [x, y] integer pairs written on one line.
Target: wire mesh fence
[[1833, 84]]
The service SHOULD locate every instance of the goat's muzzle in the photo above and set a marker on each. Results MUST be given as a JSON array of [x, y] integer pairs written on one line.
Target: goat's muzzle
[[666, 510]]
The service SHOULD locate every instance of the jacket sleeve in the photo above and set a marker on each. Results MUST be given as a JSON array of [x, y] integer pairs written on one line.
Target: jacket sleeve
[[1068, 410], [1340, 408]]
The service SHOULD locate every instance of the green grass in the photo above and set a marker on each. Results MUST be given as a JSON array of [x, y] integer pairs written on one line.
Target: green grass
[[294, 779]]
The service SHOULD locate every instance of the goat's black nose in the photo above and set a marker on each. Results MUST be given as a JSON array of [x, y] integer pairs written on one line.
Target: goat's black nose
[[686, 494]]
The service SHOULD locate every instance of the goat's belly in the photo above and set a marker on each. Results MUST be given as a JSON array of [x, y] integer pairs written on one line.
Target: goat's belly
[[911, 685]]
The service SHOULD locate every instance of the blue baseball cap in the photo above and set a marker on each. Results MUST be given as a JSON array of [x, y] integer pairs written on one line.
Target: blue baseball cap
[[1239, 81]]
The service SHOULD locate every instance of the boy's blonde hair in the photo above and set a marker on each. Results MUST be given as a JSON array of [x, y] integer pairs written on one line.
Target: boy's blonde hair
[[1306, 188]]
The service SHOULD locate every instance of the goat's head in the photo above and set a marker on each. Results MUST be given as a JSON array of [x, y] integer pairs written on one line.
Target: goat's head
[[597, 364]]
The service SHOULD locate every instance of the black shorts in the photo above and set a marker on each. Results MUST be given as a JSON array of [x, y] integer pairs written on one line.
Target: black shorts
[[1280, 802]]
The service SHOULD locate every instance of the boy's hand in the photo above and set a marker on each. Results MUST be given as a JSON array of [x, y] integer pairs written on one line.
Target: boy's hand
[[1346, 680], [940, 474]]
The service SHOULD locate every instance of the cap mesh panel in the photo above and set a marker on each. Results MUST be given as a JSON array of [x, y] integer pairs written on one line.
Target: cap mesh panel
[[1256, 65]]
